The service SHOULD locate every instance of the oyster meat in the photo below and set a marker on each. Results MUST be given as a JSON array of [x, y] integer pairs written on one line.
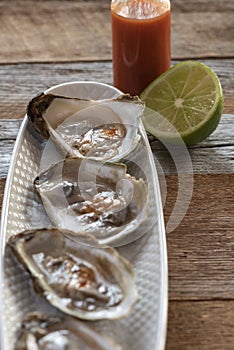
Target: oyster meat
[[40, 331], [75, 274], [98, 198], [103, 130]]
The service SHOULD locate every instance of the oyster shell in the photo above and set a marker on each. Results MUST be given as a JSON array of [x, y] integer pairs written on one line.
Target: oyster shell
[[98, 198], [75, 274], [40, 331], [103, 130]]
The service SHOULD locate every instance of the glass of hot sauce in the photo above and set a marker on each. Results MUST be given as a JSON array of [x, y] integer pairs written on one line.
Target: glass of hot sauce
[[140, 42]]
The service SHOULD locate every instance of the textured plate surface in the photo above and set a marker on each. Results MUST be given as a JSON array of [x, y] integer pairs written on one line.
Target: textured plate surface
[[145, 327]]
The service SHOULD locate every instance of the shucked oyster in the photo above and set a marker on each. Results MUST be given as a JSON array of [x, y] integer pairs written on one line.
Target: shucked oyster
[[101, 199], [75, 274], [103, 130], [42, 332]]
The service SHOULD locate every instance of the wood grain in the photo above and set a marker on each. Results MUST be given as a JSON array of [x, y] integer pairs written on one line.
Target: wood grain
[[45, 31], [21, 82], [194, 6], [201, 32], [2, 186], [200, 325], [6, 148], [52, 31], [9, 129], [201, 249]]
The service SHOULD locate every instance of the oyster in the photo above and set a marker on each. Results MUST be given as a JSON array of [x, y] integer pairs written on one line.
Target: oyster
[[75, 274], [103, 130], [98, 198], [40, 331]]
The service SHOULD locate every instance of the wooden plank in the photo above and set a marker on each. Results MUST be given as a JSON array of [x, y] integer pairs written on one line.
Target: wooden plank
[[201, 249], [192, 6], [6, 148], [45, 31], [218, 149], [202, 34], [202, 28], [211, 160], [215, 155], [23, 81], [2, 186], [200, 325], [9, 129], [49, 31]]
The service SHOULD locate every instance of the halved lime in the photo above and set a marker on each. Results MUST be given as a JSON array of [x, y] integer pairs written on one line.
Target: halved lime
[[186, 101]]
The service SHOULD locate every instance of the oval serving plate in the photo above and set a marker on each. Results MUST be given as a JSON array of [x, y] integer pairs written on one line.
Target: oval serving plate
[[145, 327]]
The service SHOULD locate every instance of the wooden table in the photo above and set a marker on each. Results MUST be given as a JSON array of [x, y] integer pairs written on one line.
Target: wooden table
[[44, 43]]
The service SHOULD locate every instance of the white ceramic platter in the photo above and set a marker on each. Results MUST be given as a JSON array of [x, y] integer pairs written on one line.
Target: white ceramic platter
[[145, 327]]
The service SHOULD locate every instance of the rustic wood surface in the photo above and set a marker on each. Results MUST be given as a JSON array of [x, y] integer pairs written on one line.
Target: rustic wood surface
[[20, 82], [48, 31], [200, 325], [44, 43]]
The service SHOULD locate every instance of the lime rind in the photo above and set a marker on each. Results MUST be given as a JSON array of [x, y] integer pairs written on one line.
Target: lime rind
[[202, 96]]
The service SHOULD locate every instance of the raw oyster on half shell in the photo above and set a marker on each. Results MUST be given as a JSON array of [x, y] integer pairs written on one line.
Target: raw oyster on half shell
[[103, 129], [75, 274], [99, 198], [40, 331]]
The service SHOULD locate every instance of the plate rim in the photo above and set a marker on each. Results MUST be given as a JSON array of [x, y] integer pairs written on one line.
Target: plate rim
[[163, 311]]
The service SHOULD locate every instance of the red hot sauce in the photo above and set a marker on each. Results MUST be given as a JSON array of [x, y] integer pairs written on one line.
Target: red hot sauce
[[140, 42]]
